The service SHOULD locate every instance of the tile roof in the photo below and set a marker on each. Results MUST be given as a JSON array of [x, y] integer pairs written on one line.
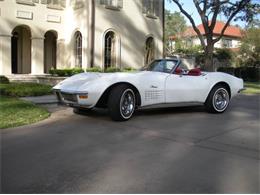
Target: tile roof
[[231, 31]]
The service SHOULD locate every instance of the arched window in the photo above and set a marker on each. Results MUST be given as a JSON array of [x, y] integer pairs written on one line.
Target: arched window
[[21, 50], [149, 50], [78, 49], [110, 50], [50, 50]]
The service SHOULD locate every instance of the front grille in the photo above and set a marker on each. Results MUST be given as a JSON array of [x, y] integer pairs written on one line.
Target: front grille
[[69, 97]]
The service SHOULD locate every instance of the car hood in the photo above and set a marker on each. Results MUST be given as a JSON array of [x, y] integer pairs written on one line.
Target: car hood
[[74, 82], [79, 81]]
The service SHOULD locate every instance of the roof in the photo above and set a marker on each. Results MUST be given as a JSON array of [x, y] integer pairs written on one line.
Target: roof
[[231, 31]]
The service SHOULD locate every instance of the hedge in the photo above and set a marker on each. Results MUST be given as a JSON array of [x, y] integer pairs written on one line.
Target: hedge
[[4, 80], [246, 73], [24, 89], [94, 69], [73, 71], [65, 72]]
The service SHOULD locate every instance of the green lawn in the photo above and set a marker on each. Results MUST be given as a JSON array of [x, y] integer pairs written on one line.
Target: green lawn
[[24, 89], [252, 88], [15, 112]]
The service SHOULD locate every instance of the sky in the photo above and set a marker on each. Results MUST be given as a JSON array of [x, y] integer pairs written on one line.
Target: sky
[[190, 8]]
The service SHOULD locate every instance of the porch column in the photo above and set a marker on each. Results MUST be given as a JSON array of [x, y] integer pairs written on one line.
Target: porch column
[[61, 54], [5, 55], [37, 55]]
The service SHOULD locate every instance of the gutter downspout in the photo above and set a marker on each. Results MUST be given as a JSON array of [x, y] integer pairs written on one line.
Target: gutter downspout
[[163, 23], [92, 33]]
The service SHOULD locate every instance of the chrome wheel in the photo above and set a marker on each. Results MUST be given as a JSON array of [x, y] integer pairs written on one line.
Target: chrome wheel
[[220, 99], [127, 104]]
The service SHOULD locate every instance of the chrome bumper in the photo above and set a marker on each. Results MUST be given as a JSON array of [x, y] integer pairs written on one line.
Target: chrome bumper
[[65, 98], [240, 90]]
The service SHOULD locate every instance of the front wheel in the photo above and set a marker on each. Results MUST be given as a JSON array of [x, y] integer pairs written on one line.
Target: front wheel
[[121, 103], [218, 100]]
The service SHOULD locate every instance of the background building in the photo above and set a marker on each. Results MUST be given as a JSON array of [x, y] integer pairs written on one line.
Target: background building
[[231, 38], [37, 35]]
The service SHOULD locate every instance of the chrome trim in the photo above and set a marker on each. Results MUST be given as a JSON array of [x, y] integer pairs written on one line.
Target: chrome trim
[[220, 99], [127, 104], [172, 105], [240, 90]]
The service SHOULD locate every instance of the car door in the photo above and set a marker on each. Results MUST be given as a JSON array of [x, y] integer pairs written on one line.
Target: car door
[[186, 88], [152, 87]]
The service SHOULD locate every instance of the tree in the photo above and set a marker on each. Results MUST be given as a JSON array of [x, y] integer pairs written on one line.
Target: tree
[[250, 47], [175, 24], [209, 10]]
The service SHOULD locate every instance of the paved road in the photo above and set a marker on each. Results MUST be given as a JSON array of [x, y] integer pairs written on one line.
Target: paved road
[[176, 150]]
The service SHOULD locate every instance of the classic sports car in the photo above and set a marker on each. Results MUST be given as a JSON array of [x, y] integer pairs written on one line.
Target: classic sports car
[[161, 84]]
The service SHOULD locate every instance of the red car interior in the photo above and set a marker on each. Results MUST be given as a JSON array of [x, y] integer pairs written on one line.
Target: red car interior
[[178, 71], [194, 72]]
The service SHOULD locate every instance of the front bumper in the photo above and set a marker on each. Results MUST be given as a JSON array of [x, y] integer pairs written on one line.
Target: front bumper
[[71, 99], [240, 90]]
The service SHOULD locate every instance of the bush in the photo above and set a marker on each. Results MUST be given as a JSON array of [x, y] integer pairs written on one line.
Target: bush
[[246, 73], [65, 72], [94, 69], [24, 89], [113, 69], [4, 80], [73, 71], [229, 70], [76, 71], [128, 69], [223, 54]]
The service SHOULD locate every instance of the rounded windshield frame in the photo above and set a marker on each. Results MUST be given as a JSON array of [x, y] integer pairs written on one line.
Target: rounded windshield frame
[[170, 72]]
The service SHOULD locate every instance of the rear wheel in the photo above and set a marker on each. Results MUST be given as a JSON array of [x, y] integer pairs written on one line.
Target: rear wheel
[[218, 100], [121, 103]]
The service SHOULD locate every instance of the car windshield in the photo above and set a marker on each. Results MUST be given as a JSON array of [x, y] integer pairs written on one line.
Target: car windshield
[[161, 66]]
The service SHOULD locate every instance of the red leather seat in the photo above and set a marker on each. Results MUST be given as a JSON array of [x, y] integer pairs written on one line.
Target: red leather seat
[[194, 72], [178, 71]]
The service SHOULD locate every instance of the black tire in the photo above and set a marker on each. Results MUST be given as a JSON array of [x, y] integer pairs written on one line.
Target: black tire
[[81, 111], [121, 100], [218, 99]]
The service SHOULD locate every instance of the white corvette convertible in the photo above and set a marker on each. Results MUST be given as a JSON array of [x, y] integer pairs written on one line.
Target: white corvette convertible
[[161, 84]]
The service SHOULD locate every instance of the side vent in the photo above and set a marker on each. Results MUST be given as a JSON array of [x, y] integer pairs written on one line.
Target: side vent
[[153, 95]]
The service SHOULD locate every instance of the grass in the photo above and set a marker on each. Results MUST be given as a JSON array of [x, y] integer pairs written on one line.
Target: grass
[[252, 88], [15, 112], [24, 89]]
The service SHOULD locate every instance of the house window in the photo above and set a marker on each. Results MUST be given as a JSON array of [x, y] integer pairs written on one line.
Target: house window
[[110, 50], [77, 4], [149, 50], [26, 2], [78, 49], [227, 43], [54, 4], [112, 3], [151, 8]]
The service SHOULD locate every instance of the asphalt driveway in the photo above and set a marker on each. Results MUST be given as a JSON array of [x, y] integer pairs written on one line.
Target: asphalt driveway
[[177, 150]]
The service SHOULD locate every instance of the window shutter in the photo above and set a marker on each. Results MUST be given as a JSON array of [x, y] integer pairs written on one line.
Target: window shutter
[[120, 3], [43, 1], [103, 2], [157, 6], [55, 2], [63, 3], [144, 2]]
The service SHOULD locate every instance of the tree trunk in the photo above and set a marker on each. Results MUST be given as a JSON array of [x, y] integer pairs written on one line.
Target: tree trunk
[[208, 66]]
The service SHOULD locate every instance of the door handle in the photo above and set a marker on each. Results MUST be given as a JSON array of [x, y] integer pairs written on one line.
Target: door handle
[[154, 87]]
